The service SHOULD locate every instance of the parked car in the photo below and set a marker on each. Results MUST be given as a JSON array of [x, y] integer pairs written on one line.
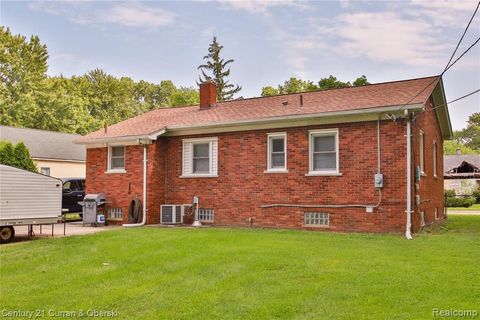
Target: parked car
[[73, 192]]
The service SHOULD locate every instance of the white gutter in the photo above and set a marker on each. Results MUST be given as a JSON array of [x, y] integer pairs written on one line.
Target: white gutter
[[144, 201], [408, 227]]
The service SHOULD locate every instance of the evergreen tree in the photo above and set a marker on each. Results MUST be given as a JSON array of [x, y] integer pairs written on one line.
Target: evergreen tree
[[219, 70], [16, 156]]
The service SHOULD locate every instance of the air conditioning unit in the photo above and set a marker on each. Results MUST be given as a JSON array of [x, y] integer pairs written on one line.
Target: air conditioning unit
[[171, 214]]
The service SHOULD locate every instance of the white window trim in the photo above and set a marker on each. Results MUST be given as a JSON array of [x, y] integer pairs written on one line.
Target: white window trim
[[270, 137], [422, 152], [109, 159], [208, 140], [325, 132], [435, 162]]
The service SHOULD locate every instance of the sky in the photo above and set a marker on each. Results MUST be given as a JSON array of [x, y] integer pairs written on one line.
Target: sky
[[270, 41]]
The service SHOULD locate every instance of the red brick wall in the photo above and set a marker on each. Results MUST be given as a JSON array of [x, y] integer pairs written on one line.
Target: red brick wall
[[430, 187], [242, 186], [121, 188]]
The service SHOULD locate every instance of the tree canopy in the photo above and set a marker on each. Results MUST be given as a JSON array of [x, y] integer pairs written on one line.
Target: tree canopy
[[294, 85], [77, 104], [217, 69]]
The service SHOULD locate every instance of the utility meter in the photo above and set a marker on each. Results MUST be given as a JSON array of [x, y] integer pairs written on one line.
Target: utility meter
[[378, 180]]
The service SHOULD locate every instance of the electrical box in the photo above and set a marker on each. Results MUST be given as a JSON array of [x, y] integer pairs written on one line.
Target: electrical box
[[378, 180], [369, 209]]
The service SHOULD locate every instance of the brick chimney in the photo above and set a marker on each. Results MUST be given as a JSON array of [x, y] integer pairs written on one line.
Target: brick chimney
[[208, 94]]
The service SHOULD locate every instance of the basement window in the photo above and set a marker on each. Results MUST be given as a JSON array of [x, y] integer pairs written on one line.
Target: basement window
[[316, 219], [205, 215], [45, 171], [116, 159], [115, 214]]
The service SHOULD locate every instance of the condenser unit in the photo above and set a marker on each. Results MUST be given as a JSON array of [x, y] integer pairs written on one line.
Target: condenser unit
[[171, 214]]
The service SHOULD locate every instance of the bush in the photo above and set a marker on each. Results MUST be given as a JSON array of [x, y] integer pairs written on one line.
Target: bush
[[476, 195], [450, 193], [460, 202]]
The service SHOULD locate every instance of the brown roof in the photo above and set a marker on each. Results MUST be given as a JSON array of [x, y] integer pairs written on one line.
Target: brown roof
[[323, 101]]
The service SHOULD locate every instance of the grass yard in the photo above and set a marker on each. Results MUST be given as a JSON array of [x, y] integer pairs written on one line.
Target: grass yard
[[475, 207], [217, 273]]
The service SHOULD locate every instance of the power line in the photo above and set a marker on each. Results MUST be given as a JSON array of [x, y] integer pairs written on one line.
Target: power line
[[473, 44], [463, 97], [463, 35], [448, 66], [449, 102]]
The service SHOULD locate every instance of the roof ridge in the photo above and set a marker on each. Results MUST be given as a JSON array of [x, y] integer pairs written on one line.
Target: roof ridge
[[44, 130], [329, 89], [287, 94]]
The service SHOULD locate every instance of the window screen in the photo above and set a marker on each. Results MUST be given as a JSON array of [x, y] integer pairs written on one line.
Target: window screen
[[324, 153], [117, 157], [277, 152], [201, 159]]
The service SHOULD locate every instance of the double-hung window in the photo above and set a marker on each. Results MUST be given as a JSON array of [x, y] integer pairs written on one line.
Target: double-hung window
[[323, 152], [435, 159], [199, 157], [277, 152], [116, 158]]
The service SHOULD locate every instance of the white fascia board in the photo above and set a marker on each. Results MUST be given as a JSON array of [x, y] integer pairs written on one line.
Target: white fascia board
[[173, 130], [126, 140]]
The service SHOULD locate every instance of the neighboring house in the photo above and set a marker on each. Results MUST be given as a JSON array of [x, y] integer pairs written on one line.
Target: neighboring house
[[303, 160], [54, 153], [462, 173]]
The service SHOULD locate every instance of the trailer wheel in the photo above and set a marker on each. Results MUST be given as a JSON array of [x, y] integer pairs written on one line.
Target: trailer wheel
[[6, 234]]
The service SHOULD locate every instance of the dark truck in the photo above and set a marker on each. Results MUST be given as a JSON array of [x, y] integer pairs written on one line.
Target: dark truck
[[73, 192]]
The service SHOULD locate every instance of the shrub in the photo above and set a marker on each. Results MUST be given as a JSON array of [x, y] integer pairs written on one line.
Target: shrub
[[460, 202], [476, 195], [450, 193]]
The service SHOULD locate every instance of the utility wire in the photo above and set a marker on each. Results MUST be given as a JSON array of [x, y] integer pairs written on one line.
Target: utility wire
[[473, 44], [463, 35], [448, 66], [449, 102]]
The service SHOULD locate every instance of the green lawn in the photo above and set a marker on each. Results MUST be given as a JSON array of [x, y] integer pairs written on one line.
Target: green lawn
[[474, 207], [217, 273]]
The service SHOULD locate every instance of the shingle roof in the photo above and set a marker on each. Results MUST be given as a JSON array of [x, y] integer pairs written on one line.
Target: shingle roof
[[45, 144], [453, 161], [322, 101]]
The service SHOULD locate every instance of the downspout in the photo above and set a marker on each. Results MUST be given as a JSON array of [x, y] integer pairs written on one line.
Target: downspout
[[144, 201], [408, 227]]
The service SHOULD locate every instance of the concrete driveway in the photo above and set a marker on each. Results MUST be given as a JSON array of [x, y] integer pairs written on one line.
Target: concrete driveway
[[71, 229]]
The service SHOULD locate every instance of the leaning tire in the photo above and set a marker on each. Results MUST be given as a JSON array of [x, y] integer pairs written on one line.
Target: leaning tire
[[6, 234]]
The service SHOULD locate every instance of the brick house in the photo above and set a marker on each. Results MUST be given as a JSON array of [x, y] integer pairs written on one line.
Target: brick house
[[325, 160]]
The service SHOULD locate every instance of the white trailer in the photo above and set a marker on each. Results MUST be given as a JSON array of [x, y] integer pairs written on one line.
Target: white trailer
[[27, 198]]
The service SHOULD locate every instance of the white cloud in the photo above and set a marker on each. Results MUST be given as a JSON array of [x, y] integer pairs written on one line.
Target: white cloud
[[138, 15], [261, 6], [127, 14], [388, 37]]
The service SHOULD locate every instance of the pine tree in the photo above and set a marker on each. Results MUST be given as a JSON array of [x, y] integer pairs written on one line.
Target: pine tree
[[16, 156], [219, 72]]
